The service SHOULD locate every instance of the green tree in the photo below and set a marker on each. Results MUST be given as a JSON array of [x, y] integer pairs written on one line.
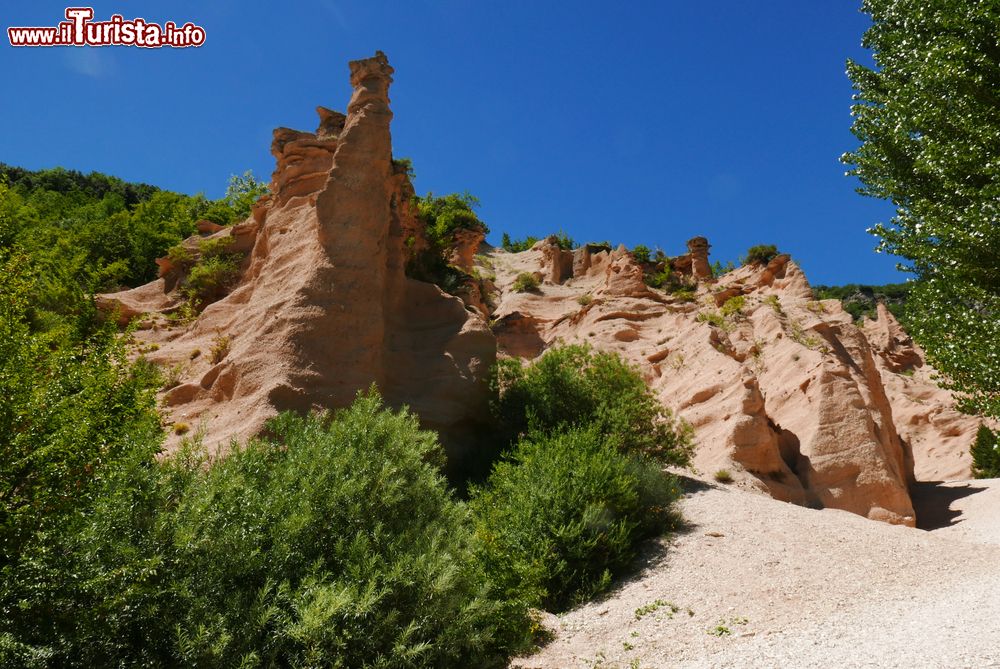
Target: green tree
[[928, 119], [243, 192]]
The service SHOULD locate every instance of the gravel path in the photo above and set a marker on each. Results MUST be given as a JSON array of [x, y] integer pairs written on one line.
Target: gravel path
[[753, 582]]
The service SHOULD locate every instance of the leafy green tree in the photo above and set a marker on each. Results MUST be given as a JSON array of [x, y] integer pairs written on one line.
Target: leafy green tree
[[928, 119], [243, 192]]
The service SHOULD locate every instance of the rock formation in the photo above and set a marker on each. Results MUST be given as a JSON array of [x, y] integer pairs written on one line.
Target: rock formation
[[783, 390], [323, 307], [786, 392]]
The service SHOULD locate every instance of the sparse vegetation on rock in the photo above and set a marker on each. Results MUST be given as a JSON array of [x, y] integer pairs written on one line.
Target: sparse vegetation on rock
[[760, 254], [525, 282]]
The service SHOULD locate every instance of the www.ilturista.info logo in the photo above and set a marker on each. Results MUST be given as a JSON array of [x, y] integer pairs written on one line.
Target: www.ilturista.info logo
[[80, 30]]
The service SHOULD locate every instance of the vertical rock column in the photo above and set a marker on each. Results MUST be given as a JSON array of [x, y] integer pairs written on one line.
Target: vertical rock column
[[354, 217]]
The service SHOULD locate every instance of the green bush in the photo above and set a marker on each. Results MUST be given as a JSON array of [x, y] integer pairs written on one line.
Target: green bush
[[684, 294], [215, 246], [212, 276], [565, 513], [333, 542], [719, 269], [986, 454], [180, 256], [444, 215], [574, 386], [734, 305], [712, 318], [641, 254], [75, 415], [525, 282], [760, 254], [518, 245], [564, 241]]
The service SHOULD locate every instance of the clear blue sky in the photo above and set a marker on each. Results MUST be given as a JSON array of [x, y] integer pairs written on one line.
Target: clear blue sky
[[643, 122]]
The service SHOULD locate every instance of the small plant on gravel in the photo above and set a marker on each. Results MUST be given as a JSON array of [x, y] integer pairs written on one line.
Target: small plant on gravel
[[181, 428], [720, 630], [773, 302], [652, 607], [525, 282], [584, 299], [723, 476]]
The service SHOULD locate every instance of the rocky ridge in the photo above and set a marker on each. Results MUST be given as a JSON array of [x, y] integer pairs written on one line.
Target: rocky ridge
[[784, 392]]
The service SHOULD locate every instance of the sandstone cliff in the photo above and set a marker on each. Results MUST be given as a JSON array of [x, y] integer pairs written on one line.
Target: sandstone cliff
[[322, 308], [784, 391]]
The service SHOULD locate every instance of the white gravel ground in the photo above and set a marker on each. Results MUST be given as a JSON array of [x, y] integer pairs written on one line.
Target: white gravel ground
[[754, 582]]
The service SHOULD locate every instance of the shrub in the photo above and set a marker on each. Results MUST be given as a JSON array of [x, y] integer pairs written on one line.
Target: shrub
[[220, 347], [719, 269], [641, 254], [564, 241], [518, 245], [242, 193], [565, 513], [444, 215], [211, 277], [733, 306], [180, 256], [404, 165], [712, 318], [525, 282], [215, 246], [723, 476], [760, 254], [584, 299], [684, 294], [573, 386], [986, 454], [333, 542]]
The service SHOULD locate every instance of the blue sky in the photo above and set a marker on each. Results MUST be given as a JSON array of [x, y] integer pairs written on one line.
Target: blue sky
[[644, 122]]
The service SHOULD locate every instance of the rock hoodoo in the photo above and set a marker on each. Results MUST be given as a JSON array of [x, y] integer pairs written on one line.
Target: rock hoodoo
[[323, 307]]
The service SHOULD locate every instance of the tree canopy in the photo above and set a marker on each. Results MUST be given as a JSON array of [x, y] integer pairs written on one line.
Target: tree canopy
[[928, 118]]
